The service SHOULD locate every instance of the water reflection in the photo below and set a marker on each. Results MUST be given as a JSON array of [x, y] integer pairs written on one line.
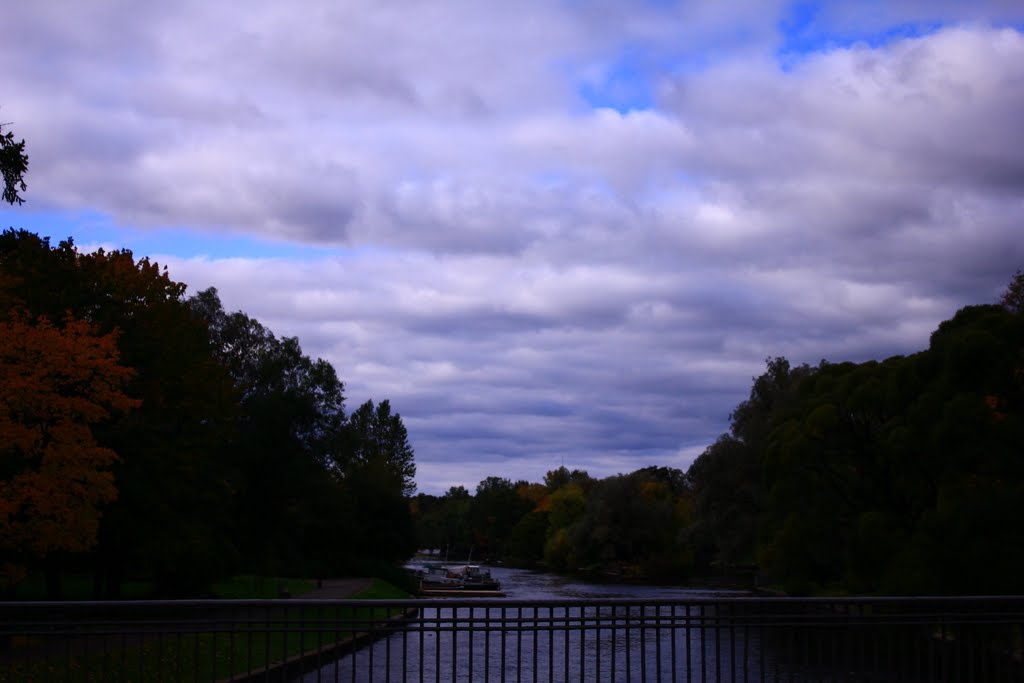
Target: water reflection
[[556, 642]]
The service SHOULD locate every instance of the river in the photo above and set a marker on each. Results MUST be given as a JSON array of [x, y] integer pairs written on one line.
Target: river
[[620, 654]]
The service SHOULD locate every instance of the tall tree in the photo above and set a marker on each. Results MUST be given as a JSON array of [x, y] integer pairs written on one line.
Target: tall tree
[[374, 434], [290, 424]]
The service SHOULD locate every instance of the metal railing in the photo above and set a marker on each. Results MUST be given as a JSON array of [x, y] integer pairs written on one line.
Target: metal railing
[[715, 639]]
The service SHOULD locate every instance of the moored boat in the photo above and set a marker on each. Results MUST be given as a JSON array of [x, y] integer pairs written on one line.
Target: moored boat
[[474, 577], [470, 577]]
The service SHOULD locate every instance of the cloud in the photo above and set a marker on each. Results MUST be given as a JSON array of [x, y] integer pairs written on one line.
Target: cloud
[[544, 230]]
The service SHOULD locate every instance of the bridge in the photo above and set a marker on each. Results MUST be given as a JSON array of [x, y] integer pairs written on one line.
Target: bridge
[[505, 640]]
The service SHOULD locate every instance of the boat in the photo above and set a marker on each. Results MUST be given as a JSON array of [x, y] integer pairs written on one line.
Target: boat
[[474, 577], [470, 577]]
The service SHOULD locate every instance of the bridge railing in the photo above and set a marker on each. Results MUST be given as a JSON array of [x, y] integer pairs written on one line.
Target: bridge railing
[[714, 639]]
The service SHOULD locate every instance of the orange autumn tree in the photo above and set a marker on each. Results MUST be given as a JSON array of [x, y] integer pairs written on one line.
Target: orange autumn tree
[[55, 383]]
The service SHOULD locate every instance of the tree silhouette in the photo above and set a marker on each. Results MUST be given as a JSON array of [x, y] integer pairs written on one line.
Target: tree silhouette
[[14, 165]]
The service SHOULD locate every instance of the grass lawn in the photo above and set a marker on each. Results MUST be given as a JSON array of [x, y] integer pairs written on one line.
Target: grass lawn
[[252, 587], [242, 647], [76, 587]]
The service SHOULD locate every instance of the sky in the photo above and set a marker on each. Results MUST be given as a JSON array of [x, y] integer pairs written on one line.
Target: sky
[[549, 232]]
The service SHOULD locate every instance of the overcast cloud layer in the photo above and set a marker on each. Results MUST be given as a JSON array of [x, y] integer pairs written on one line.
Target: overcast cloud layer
[[548, 232]]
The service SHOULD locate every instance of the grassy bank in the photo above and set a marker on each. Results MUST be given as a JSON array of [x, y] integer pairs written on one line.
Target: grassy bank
[[252, 587]]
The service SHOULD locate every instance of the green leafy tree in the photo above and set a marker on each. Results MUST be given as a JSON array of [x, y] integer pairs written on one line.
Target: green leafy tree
[[495, 510], [375, 435], [898, 476], [290, 424]]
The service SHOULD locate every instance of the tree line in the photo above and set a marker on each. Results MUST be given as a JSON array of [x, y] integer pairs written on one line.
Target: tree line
[[898, 476], [144, 433]]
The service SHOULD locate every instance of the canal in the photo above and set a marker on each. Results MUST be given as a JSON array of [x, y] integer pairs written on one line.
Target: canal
[[492, 644]]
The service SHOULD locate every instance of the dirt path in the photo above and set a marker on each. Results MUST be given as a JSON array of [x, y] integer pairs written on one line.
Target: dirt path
[[338, 589]]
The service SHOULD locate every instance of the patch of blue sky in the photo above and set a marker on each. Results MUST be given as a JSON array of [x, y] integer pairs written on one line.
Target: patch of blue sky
[[93, 229], [626, 84], [804, 32]]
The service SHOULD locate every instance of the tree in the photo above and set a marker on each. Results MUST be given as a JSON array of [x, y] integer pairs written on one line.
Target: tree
[[904, 476], [374, 434], [14, 165], [495, 510], [1013, 297], [171, 475], [55, 384], [290, 426]]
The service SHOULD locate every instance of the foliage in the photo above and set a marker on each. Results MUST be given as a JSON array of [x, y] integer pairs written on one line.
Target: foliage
[[374, 435], [305, 473], [1013, 297], [14, 166], [55, 384], [905, 475], [237, 454]]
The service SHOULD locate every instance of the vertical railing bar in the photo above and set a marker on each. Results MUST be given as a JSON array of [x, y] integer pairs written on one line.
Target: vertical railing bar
[[689, 648], [519, 648], [502, 615], [487, 644], [405, 643], [142, 654], [195, 651], [213, 647], [422, 662], [177, 653], [387, 644], [455, 640], [629, 640], [249, 626], [565, 642], [353, 624], [437, 645], [536, 623], [551, 642], [67, 658], [471, 623], [673, 612], [643, 642], [717, 621], [583, 641], [943, 649], [732, 644], [615, 630], [519, 644], [371, 626], [762, 638], [266, 641]]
